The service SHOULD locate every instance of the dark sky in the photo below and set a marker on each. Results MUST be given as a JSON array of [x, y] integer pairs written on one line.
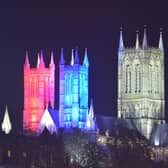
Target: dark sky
[[50, 25]]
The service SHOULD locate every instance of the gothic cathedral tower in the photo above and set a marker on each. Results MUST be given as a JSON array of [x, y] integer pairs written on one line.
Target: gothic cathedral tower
[[141, 84], [39, 84], [73, 91]]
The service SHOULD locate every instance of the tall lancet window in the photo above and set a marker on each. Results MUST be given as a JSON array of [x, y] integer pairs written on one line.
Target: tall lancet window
[[32, 86], [158, 77], [137, 78], [150, 78], [129, 69], [35, 87], [68, 89], [126, 78]]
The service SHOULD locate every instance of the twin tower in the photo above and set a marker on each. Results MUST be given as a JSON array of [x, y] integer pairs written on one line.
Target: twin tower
[[39, 92]]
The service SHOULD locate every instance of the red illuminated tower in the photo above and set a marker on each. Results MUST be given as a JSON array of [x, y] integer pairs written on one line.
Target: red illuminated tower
[[39, 86]]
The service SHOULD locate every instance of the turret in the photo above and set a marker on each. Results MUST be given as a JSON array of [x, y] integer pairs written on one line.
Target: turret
[[62, 62], [41, 64], [137, 41], [145, 44], [91, 112], [76, 60], [38, 60], [52, 60], [121, 43], [27, 65], [6, 124], [72, 58], [90, 123], [86, 61], [161, 42]]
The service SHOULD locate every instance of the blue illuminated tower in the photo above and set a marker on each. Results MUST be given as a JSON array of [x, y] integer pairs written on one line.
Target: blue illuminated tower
[[73, 91]]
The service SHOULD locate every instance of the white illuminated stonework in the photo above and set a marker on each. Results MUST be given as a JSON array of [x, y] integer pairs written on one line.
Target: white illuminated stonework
[[6, 124], [141, 84]]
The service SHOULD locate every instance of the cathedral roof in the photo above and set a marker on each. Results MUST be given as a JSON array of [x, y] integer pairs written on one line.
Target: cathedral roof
[[112, 124]]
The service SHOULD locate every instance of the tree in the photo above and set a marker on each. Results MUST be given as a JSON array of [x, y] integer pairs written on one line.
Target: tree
[[80, 150]]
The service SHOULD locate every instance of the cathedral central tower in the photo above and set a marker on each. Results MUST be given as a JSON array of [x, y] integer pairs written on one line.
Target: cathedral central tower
[[141, 84], [73, 91], [39, 84]]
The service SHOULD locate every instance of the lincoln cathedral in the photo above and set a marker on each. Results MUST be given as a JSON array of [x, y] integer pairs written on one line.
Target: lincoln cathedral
[[141, 98]]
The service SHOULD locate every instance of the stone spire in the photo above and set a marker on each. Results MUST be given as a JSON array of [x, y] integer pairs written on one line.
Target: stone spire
[[41, 64], [90, 123], [72, 58], [61, 62], [145, 44], [86, 61], [38, 60], [27, 60], [161, 41], [137, 40], [76, 60], [121, 43], [6, 124], [91, 111], [52, 59]]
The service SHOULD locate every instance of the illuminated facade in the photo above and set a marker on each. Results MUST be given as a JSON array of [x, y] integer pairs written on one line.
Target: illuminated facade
[[6, 123], [141, 84], [39, 84], [73, 91]]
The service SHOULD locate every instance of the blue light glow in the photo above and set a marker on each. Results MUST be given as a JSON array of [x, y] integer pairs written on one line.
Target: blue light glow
[[74, 83]]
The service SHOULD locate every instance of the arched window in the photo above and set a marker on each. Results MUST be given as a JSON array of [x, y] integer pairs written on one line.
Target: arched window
[[137, 79], [127, 79], [68, 89], [150, 78], [158, 77], [33, 82]]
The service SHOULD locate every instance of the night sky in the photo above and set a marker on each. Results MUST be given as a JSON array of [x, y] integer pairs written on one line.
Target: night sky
[[33, 26]]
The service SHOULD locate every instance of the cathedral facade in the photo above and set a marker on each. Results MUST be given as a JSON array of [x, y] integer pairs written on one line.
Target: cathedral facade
[[39, 91], [73, 91], [141, 84]]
